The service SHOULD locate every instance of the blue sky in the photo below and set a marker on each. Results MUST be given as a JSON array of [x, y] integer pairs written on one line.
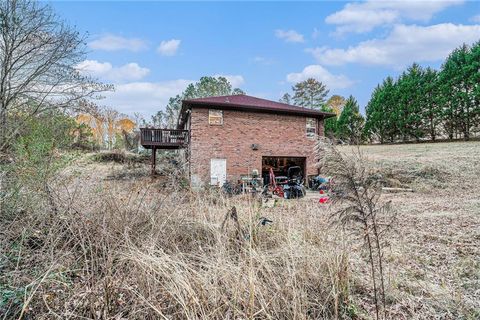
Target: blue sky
[[152, 50]]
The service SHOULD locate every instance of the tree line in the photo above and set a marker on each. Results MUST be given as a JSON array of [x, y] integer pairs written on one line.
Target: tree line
[[426, 104], [420, 104]]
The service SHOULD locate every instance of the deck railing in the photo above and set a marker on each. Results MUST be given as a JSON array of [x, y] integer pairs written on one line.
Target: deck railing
[[169, 138]]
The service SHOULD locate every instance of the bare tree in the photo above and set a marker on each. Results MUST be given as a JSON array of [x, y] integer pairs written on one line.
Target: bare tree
[[38, 57]]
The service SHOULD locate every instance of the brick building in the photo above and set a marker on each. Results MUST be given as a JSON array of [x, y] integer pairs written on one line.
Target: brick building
[[230, 136]]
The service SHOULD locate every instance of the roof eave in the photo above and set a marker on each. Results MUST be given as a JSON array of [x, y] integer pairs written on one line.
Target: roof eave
[[187, 104]]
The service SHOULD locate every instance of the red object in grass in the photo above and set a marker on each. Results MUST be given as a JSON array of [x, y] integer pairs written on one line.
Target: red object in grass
[[278, 191], [321, 192], [323, 200]]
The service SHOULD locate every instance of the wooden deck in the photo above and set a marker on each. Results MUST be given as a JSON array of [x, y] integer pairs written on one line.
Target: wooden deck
[[163, 138]]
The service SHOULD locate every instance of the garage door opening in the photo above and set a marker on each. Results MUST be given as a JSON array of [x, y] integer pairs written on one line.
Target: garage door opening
[[280, 166]]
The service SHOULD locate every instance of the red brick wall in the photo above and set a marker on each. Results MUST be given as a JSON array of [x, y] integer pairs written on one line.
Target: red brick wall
[[275, 135]]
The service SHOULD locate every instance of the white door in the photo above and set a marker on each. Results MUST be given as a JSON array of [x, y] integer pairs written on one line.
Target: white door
[[218, 172]]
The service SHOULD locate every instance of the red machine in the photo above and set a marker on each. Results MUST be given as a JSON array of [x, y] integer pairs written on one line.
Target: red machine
[[274, 188]]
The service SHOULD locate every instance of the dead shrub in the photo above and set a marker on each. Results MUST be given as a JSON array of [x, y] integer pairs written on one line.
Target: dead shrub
[[355, 198]]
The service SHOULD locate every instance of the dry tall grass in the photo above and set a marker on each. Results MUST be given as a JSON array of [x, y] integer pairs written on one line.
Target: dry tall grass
[[120, 246], [118, 250]]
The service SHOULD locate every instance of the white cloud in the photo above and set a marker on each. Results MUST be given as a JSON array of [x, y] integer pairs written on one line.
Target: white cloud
[[235, 80], [111, 42], [105, 71], [169, 47], [365, 16], [289, 35], [475, 19], [321, 74], [93, 67], [404, 45], [150, 97], [144, 97]]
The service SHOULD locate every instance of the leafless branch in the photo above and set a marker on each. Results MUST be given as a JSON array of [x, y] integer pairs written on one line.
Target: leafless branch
[[38, 57]]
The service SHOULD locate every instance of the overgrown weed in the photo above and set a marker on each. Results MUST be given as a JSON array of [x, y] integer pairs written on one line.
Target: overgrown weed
[[134, 252]]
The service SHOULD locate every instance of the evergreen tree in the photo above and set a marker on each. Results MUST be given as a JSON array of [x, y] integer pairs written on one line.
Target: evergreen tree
[[330, 124], [474, 82], [208, 87], [286, 98], [335, 105], [383, 113], [391, 113], [350, 123], [409, 103], [373, 129], [205, 87], [424, 102], [431, 112], [458, 80], [237, 91], [310, 93], [446, 97]]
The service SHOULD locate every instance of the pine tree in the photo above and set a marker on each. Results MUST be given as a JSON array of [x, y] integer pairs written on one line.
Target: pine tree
[[205, 87], [237, 92], [208, 87], [474, 81], [310, 93], [373, 128], [410, 103], [390, 112], [424, 102], [431, 112], [350, 123], [450, 91], [330, 124], [383, 113], [286, 98]]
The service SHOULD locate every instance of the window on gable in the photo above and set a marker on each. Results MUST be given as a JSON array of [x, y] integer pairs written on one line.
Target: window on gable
[[311, 128], [215, 117]]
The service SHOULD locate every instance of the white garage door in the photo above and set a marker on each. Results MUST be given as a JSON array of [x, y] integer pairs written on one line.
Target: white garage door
[[218, 172]]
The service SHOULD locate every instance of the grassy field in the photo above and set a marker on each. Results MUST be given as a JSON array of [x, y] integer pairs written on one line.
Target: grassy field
[[122, 244], [434, 262]]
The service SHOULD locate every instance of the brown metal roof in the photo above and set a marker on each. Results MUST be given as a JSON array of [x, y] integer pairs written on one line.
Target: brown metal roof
[[243, 102]]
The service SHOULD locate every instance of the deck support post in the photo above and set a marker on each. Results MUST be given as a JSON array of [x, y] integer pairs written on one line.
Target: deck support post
[[154, 160]]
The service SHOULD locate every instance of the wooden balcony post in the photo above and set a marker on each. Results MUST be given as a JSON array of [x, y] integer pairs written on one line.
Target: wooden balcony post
[[154, 160]]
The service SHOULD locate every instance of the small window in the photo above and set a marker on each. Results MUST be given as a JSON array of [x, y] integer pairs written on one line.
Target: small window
[[311, 127], [215, 117]]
